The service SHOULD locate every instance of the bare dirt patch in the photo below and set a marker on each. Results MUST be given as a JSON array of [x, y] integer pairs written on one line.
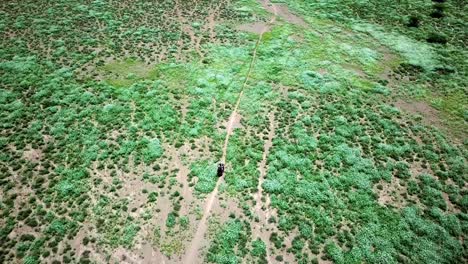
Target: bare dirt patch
[[192, 254], [234, 122], [22, 230], [150, 255], [122, 255], [391, 193], [354, 68], [224, 206], [256, 27], [96, 253], [282, 11], [188, 155], [416, 169], [321, 261], [132, 188], [429, 115], [283, 90], [77, 244], [33, 155], [194, 39], [322, 71], [450, 206], [389, 61]]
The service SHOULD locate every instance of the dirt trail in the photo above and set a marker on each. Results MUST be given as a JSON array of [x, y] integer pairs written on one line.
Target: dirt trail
[[234, 113], [192, 252], [187, 28], [262, 167]]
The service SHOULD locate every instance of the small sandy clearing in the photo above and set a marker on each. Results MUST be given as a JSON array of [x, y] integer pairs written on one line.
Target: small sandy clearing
[[391, 193], [150, 255], [233, 122], [256, 27], [122, 255], [450, 206], [33, 155]]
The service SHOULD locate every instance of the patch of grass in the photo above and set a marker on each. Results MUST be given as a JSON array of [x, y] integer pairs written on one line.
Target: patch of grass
[[416, 53], [229, 244], [127, 72], [205, 171], [129, 233], [172, 247]]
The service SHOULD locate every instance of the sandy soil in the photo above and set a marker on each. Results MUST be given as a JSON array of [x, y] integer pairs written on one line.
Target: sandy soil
[[122, 255], [256, 27], [388, 72], [33, 155], [192, 252], [186, 26], [233, 122]]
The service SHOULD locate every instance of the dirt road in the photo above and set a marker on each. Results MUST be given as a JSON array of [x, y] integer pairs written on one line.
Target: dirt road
[[191, 255]]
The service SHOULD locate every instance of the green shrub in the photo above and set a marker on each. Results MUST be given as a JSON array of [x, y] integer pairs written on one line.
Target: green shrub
[[437, 38], [413, 21], [258, 248], [30, 260], [171, 220], [152, 197]]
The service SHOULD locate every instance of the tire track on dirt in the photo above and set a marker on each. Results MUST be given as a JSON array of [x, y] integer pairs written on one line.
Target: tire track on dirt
[[192, 253], [262, 167]]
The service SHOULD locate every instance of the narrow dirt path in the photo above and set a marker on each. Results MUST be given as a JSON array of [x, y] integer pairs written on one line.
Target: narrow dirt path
[[186, 27], [262, 167], [192, 252]]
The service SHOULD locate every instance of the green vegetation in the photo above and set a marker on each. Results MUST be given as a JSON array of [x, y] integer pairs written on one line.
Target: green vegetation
[[436, 27], [128, 72], [229, 245], [113, 116]]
